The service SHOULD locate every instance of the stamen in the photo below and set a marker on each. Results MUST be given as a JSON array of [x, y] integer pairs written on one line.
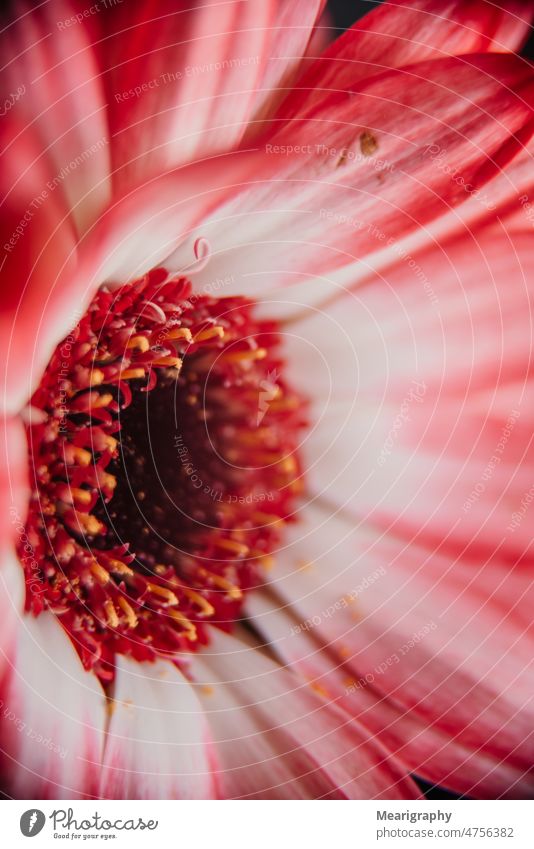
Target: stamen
[[144, 534]]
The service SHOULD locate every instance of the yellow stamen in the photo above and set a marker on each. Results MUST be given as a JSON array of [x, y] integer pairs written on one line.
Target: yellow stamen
[[233, 591], [101, 400], [140, 342], [97, 377], [132, 374], [238, 548], [129, 612], [181, 333], [88, 522], [252, 354], [209, 333], [80, 496], [120, 568], [74, 454], [163, 592], [190, 630], [170, 362], [111, 614], [102, 575], [206, 609]]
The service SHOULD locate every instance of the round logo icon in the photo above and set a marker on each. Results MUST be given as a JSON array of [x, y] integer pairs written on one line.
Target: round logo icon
[[32, 822]]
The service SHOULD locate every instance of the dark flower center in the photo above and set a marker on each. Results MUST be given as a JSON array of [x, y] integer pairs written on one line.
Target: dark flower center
[[163, 458]]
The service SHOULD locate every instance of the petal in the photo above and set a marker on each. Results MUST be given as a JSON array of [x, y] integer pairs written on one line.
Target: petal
[[430, 427], [355, 173], [157, 745], [398, 34], [52, 716], [432, 655], [39, 248], [181, 80], [50, 81], [14, 484], [278, 739]]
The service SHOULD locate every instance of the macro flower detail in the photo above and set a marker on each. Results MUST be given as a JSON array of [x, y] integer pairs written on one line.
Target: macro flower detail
[[139, 553], [266, 419]]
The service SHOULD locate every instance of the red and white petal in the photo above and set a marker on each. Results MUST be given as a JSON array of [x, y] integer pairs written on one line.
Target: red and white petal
[[433, 654], [277, 738], [181, 80], [52, 716], [357, 172], [14, 484], [401, 33], [185, 82], [291, 38], [158, 743], [428, 426], [50, 82], [39, 250]]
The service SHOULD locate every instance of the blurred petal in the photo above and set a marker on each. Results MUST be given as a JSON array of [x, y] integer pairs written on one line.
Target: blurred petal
[[432, 654], [62, 103], [401, 33], [53, 715], [278, 739], [158, 744]]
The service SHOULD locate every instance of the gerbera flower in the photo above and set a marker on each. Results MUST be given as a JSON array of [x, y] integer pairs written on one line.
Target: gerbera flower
[[212, 251]]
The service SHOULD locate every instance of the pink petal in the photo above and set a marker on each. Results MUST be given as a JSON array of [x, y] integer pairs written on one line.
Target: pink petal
[[157, 744], [354, 172], [14, 485], [289, 41], [277, 738], [394, 35], [62, 103], [52, 717], [183, 81], [432, 653], [429, 430], [38, 241]]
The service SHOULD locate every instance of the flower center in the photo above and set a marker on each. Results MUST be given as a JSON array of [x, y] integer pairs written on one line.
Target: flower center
[[163, 458]]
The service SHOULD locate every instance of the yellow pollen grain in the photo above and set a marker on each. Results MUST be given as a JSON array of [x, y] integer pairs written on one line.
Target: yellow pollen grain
[[320, 690], [110, 442], [209, 333], [141, 343], [111, 614], [129, 612]]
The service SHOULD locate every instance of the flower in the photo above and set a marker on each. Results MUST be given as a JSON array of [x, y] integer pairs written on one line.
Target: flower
[[201, 228]]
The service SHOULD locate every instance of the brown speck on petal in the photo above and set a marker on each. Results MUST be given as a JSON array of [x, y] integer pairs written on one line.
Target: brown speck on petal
[[368, 143]]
